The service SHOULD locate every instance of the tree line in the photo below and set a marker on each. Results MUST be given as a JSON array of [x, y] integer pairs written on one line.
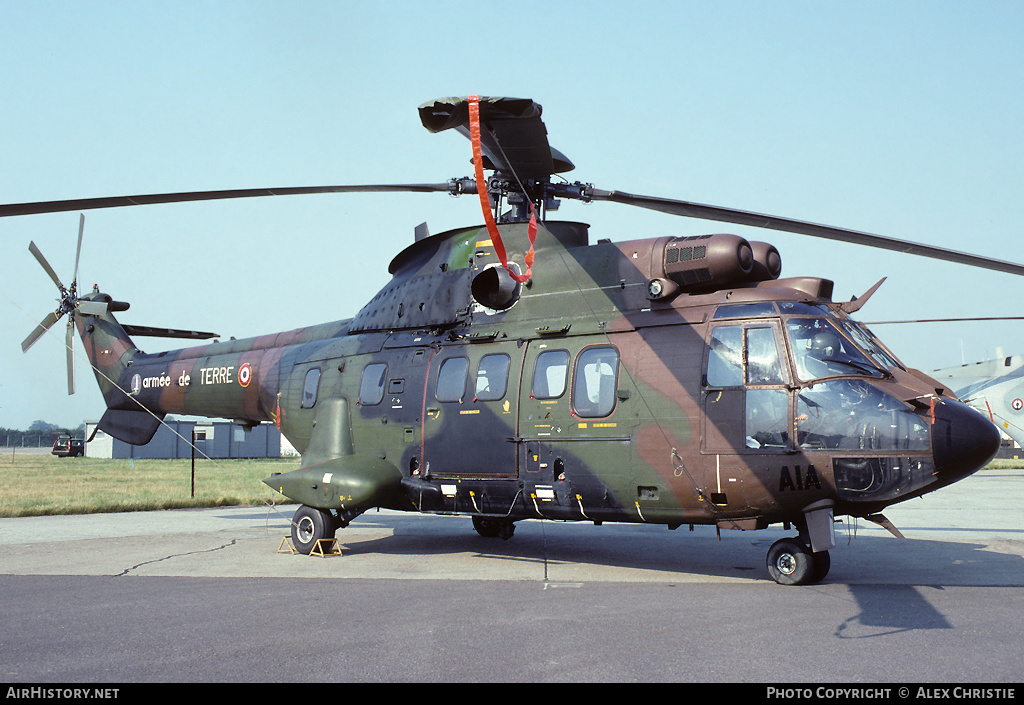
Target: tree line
[[40, 433]]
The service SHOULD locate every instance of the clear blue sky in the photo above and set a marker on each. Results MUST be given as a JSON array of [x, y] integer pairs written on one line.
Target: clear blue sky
[[897, 118]]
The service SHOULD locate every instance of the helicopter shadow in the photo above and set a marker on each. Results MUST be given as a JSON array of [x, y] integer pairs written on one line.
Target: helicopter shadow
[[890, 609], [580, 551], [878, 586]]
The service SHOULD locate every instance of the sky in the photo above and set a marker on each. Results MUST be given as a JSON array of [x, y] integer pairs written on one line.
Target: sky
[[899, 118]]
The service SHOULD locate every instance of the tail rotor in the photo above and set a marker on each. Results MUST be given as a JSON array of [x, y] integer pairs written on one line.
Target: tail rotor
[[69, 304]]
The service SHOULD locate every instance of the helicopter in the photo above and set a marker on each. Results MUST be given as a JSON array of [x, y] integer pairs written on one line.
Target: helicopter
[[993, 387], [667, 380]]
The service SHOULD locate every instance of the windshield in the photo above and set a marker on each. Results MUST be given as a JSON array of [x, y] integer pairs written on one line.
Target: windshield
[[820, 350], [869, 343]]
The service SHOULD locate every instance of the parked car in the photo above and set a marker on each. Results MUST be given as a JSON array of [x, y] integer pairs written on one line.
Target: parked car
[[68, 447]]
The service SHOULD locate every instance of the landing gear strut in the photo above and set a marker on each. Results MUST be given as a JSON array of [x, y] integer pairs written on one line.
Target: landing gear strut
[[791, 562]]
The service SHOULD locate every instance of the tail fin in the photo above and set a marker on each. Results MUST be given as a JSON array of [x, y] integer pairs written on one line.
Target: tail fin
[[111, 351]]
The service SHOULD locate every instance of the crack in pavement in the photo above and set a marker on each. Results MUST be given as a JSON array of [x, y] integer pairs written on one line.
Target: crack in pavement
[[126, 571]]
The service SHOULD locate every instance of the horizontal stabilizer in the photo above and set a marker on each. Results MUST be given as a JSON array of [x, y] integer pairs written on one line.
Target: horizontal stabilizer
[[150, 332]]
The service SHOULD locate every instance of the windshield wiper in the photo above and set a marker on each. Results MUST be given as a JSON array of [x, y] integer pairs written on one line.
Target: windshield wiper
[[860, 366]]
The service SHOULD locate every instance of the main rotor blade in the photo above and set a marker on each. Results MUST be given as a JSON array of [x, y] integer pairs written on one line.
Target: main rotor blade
[[948, 320], [46, 265], [10, 209], [43, 326], [771, 222]]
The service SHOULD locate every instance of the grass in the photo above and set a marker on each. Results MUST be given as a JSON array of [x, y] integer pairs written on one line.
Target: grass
[[43, 484], [1008, 463]]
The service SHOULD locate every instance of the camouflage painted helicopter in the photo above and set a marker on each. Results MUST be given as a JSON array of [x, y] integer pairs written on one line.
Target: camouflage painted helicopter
[[671, 380]]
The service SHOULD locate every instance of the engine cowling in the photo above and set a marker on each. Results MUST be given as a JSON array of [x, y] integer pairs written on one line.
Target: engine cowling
[[708, 262]]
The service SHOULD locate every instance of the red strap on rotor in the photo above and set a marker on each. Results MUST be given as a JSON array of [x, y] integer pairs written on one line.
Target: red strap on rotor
[[485, 203]]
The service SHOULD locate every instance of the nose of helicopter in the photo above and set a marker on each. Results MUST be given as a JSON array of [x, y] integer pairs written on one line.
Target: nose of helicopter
[[963, 441]]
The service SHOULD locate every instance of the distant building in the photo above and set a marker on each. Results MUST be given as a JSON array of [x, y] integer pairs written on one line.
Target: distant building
[[213, 439]]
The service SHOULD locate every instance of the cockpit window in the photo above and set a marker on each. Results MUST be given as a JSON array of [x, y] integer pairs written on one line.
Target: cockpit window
[[800, 308], [725, 358], [763, 364], [820, 350], [863, 337], [851, 414], [745, 355], [751, 310]]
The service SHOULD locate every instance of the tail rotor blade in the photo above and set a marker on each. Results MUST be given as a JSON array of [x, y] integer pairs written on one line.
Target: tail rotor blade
[[43, 326], [69, 344], [46, 265], [92, 308]]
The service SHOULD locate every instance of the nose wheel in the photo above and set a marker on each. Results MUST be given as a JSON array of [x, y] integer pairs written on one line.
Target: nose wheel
[[791, 562]]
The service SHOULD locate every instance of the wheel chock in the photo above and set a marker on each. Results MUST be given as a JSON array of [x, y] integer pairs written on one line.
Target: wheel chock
[[322, 548], [331, 545]]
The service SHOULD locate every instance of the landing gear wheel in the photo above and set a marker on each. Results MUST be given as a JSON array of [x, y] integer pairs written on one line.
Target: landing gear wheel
[[822, 563], [790, 562], [309, 525], [494, 528]]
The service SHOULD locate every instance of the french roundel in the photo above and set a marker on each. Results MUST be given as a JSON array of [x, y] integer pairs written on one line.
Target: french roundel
[[245, 374]]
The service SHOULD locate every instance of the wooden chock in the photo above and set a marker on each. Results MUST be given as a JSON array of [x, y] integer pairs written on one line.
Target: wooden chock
[[331, 546]]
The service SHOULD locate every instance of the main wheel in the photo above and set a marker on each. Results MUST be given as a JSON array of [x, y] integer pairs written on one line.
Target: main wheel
[[310, 525], [790, 562], [494, 528], [822, 563]]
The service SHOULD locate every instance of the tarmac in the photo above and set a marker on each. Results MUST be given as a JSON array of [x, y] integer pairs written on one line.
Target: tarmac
[[216, 595]]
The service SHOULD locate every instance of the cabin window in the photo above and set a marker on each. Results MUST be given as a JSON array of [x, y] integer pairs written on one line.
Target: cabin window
[[310, 388], [451, 379], [593, 383], [550, 374], [492, 377], [371, 388]]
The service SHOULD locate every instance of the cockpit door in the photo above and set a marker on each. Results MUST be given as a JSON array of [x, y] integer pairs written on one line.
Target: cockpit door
[[747, 389], [747, 402]]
